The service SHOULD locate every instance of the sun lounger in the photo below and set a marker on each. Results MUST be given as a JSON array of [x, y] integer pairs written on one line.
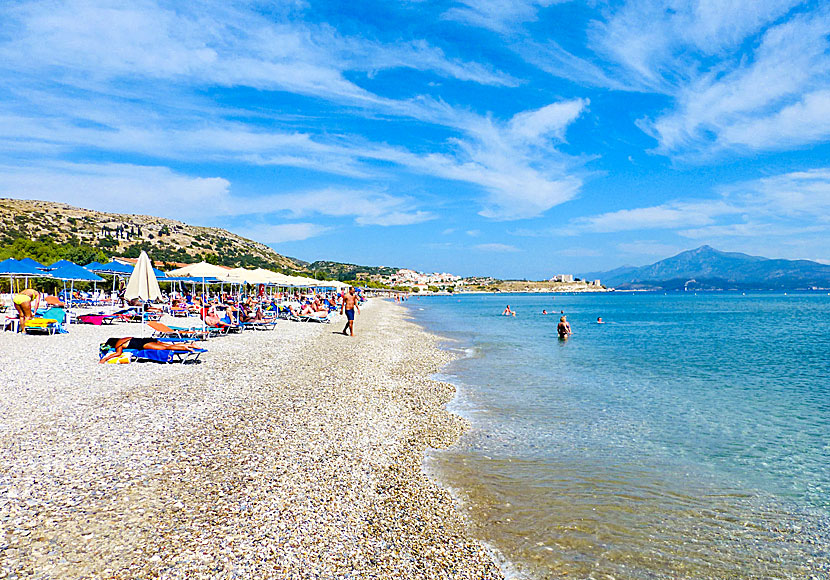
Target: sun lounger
[[167, 356], [163, 331], [49, 322], [268, 324], [97, 319], [311, 318]]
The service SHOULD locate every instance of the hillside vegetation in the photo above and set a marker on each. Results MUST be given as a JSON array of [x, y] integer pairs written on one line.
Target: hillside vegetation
[[48, 231]]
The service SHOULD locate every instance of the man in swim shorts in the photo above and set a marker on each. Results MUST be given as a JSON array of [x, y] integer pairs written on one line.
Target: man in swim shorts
[[23, 303], [348, 307]]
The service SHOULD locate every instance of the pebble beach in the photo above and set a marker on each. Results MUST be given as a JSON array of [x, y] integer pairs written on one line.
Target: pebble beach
[[292, 453]]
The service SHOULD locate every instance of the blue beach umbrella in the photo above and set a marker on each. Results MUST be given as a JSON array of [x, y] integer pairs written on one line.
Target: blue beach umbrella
[[12, 269], [31, 262], [70, 272]]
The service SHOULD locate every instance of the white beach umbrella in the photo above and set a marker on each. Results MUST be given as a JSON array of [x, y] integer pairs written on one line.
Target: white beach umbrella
[[199, 270], [143, 283]]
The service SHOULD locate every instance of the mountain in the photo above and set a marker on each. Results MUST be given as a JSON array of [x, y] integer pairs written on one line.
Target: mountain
[[708, 268], [29, 225]]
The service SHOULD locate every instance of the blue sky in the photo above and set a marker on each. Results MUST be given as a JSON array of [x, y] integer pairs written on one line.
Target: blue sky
[[507, 137]]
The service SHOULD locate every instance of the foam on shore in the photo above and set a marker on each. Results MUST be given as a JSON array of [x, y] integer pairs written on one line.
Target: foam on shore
[[293, 453]]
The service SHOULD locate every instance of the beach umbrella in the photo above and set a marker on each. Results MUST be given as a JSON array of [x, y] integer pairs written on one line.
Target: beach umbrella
[[12, 269], [202, 270], [70, 272], [199, 270], [116, 269], [31, 262], [143, 283], [19, 269]]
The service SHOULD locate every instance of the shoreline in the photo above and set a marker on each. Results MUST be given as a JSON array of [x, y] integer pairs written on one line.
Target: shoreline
[[305, 462]]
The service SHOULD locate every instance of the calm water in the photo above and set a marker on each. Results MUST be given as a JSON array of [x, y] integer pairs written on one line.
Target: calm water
[[688, 437]]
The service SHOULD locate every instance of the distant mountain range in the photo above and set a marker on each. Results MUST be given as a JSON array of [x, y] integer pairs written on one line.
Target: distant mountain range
[[706, 268]]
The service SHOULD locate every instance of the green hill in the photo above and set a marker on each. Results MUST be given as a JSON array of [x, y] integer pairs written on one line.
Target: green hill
[[48, 231]]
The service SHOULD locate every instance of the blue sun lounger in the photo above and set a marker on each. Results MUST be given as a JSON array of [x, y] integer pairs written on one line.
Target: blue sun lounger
[[168, 356], [163, 356]]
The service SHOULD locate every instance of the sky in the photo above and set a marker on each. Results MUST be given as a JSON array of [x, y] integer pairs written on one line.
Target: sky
[[513, 138]]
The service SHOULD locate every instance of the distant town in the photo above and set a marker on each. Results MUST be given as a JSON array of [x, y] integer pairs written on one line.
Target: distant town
[[446, 282]]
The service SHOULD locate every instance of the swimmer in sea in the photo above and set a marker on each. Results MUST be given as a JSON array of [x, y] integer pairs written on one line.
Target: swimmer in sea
[[564, 328], [508, 312], [544, 311], [600, 321]]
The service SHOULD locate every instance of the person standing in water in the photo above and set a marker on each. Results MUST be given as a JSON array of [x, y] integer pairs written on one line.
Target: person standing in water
[[508, 312], [564, 328], [348, 307]]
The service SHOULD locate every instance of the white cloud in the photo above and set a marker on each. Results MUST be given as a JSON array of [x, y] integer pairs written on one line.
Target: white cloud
[[775, 97], [666, 216], [367, 207], [496, 247], [120, 188], [787, 207], [210, 43], [280, 233], [548, 122], [497, 15], [519, 166]]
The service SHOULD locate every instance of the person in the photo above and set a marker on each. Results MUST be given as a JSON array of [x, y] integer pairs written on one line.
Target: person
[[23, 304], [348, 307], [563, 328], [508, 312], [599, 320], [544, 311], [118, 345]]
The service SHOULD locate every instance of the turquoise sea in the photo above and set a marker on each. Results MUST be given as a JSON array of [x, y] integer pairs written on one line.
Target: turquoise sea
[[687, 437]]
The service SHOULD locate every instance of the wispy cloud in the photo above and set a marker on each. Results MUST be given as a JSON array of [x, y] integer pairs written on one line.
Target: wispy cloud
[[496, 247], [280, 233], [776, 99], [213, 44], [517, 162], [120, 187], [366, 206], [740, 76], [133, 81], [497, 15], [790, 204]]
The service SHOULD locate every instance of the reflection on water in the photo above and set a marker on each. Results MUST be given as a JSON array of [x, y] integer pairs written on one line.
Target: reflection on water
[[685, 438]]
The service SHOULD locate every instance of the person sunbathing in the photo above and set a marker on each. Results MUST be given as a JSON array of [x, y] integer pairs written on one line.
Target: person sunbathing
[[314, 308], [119, 345]]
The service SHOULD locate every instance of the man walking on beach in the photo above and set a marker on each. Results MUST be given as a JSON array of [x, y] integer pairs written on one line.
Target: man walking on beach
[[348, 306]]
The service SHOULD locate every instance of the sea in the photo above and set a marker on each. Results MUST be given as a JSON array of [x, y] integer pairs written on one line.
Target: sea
[[688, 436]]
